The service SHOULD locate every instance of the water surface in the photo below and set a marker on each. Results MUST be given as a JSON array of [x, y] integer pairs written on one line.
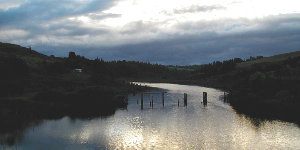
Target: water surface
[[216, 126]]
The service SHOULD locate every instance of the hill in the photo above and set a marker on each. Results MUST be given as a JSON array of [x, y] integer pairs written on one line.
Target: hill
[[51, 86], [258, 86], [38, 86], [271, 59]]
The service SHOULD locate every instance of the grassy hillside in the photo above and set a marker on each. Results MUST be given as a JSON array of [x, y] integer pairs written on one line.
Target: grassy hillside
[[29, 56], [271, 59], [25, 70], [259, 86], [33, 84], [39, 83], [30, 76]]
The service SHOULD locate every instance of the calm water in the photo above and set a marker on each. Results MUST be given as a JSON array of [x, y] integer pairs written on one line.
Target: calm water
[[216, 126]]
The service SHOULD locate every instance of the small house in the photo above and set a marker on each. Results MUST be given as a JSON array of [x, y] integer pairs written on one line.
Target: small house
[[79, 70]]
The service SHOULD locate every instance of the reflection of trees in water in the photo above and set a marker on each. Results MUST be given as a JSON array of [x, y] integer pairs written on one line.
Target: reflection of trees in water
[[262, 114], [255, 122], [13, 127]]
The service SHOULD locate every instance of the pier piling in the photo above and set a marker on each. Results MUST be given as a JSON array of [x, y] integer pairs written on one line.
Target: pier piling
[[152, 102], [185, 99], [205, 98], [163, 98], [142, 101]]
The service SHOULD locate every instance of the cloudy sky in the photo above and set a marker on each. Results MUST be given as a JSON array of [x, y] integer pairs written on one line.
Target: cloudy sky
[[177, 32]]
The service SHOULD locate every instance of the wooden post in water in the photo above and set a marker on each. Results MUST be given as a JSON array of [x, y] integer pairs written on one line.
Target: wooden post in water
[[142, 100], [185, 99], [163, 98], [205, 98], [178, 103], [152, 103]]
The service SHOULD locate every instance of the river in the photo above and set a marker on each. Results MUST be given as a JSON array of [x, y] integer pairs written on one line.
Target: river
[[215, 126]]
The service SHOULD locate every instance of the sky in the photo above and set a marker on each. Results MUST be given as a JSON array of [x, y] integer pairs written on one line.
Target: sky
[[177, 32]]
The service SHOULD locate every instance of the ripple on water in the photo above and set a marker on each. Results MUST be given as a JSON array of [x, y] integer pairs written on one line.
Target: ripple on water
[[216, 126]]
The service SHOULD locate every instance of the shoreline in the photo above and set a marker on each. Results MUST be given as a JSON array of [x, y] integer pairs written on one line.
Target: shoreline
[[89, 103], [266, 108]]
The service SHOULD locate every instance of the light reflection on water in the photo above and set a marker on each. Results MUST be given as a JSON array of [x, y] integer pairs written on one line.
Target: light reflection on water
[[216, 126]]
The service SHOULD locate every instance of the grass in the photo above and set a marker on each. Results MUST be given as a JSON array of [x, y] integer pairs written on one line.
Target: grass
[[271, 59]]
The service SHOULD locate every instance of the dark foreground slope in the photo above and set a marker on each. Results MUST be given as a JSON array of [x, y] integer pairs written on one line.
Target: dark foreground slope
[[34, 83], [35, 86], [264, 87]]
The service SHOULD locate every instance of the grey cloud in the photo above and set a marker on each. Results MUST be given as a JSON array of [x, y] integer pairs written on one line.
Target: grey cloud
[[140, 27], [5, 5], [272, 36], [192, 42], [195, 9], [52, 9], [195, 49], [49, 18], [73, 28], [37, 12], [101, 16]]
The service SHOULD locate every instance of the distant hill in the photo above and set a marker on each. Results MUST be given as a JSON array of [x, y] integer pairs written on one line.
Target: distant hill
[[271, 59], [33, 83], [7, 49], [31, 57], [34, 86], [28, 75], [259, 85], [264, 86]]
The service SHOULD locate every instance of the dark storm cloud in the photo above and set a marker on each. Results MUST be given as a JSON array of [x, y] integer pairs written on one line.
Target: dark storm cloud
[[274, 35], [202, 48], [46, 25]]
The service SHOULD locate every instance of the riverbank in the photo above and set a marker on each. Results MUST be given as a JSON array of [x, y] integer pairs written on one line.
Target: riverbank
[[87, 102], [267, 90], [36, 87], [265, 87], [40, 84], [163, 127], [29, 78], [277, 103]]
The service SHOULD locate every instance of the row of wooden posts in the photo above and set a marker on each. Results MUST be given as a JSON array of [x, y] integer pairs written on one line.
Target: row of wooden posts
[[163, 100]]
